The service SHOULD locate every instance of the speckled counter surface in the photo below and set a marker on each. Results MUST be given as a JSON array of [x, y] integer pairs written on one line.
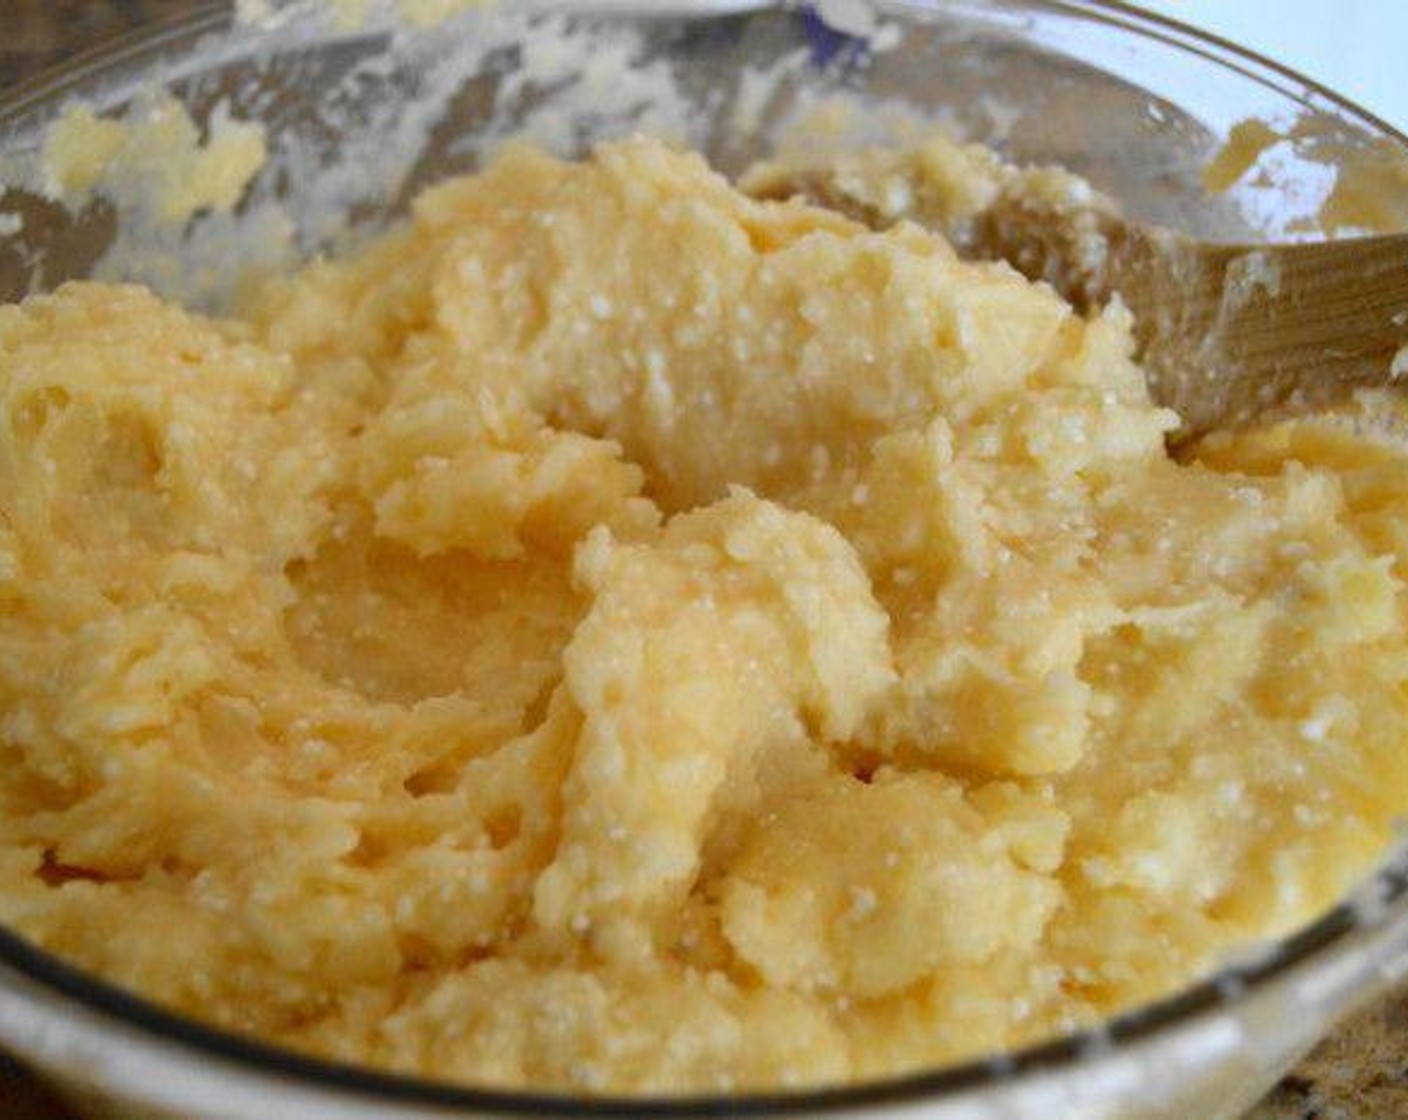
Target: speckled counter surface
[[1360, 1073]]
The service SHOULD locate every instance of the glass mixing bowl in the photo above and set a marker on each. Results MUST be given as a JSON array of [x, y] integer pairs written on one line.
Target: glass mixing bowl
[[360, 114]]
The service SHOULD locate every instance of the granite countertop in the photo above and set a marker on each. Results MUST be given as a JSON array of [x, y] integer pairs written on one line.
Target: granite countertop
[[1359, 1073]]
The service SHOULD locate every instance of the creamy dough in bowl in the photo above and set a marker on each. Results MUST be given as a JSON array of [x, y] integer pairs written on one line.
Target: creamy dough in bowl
[[617, 634]]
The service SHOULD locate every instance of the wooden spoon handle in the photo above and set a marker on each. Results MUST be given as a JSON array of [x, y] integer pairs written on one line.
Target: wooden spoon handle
[[1227, 332]]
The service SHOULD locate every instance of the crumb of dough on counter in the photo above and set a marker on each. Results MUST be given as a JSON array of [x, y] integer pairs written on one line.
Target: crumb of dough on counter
[[620, 634]]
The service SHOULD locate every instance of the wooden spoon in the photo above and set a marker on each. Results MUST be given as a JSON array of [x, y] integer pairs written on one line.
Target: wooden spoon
[[1224, 332]]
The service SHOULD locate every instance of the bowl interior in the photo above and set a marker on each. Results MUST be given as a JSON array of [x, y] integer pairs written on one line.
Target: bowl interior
[[359, 119]]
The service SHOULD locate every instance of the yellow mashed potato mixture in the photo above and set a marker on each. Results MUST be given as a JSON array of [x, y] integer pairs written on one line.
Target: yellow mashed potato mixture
[[618, 634]]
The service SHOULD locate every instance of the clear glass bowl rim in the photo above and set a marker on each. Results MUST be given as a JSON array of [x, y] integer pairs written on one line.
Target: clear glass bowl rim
[[1222, 990]]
